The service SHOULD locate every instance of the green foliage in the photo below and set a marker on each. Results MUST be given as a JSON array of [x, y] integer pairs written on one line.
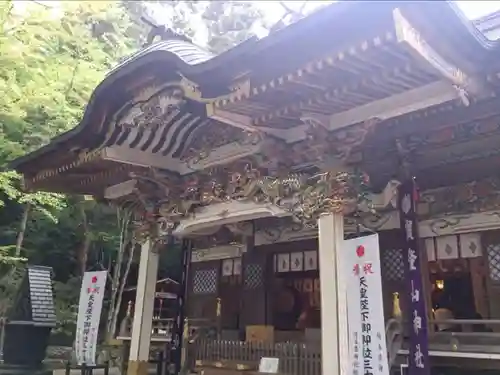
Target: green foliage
[[51, 59], [230, 23], [6, 257], [216, 25], [50, 62], [66, 303], [50, 65], [47, 203], [10, 282], [8, 182]]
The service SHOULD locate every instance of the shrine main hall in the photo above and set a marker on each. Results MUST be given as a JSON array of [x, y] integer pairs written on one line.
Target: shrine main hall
[[365, 121]]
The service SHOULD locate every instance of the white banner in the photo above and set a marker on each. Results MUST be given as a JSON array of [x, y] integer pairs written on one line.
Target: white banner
[[365, 309], [89, 314]]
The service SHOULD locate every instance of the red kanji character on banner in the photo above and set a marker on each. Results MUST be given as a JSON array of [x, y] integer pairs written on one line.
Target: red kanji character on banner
[[355, 269], [367, 269]]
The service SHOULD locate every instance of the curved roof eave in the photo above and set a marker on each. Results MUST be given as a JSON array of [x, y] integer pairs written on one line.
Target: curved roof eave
[[452, 33], [179, 53], [192, 60]]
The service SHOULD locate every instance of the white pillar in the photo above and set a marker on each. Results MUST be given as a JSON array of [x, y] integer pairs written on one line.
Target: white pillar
[[143, 311], [334, 331]]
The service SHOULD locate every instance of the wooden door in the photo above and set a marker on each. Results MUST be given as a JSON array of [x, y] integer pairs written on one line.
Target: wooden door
[[253, 289], [230, 288]]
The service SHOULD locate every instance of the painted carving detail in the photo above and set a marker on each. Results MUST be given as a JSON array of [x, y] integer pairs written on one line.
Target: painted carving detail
[[305, 196], [151, 113], [461, 199], [274, 230], [333, 147], [215, 135]]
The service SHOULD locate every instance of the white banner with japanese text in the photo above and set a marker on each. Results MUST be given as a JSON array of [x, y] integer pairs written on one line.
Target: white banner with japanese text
[[365, 309], [89, 315]]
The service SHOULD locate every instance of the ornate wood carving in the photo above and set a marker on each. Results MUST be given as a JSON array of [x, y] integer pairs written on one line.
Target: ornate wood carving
[[222, 236], [461, 199], [330, 148], [151, 113], [215, 135], [304, 195]]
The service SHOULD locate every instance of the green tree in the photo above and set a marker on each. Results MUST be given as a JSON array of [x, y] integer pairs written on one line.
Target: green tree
[[224, 24], [51, 59], [50, 62], [231, 22]]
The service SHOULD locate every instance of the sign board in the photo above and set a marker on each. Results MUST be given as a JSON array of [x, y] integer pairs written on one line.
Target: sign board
[[269, 365], [217, 253], [365, 311], [165, 295], [89, 314]]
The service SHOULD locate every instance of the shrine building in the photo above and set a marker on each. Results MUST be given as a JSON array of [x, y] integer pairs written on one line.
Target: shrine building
[[264, 160]]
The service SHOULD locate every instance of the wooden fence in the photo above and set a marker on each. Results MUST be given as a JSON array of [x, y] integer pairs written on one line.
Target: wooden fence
[[294, 358]]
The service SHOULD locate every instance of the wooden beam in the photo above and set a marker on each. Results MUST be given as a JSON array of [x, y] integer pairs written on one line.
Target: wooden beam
[[397, 105], [393, 106], [221, 155], [239, 121], [226, 154], [407, 35], [127, 155], [226, 213], [444, 226], [120, 190]]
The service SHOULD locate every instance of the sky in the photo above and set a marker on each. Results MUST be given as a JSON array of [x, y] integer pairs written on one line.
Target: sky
[[472, 9], [273, 11], [476, 9]]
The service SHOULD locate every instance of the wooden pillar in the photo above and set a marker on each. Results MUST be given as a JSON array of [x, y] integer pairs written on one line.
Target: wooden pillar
[[143, 313], [334, 331], [179, 325]]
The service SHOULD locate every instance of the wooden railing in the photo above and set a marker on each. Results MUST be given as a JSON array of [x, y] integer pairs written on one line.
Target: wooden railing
[[161, 329], [305, 358], [466, 335], [294, 358], [469, 325]]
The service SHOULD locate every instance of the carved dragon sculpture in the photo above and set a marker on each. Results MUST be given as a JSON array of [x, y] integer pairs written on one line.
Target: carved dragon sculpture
[[251, 186], [176, 209]]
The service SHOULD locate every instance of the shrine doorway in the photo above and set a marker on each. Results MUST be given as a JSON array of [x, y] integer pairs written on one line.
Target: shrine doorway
[[230, 291], [458, 277], [296, 296], [455, 293]]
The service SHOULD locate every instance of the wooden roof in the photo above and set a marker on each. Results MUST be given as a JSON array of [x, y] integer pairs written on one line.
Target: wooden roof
[[304, 93]]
